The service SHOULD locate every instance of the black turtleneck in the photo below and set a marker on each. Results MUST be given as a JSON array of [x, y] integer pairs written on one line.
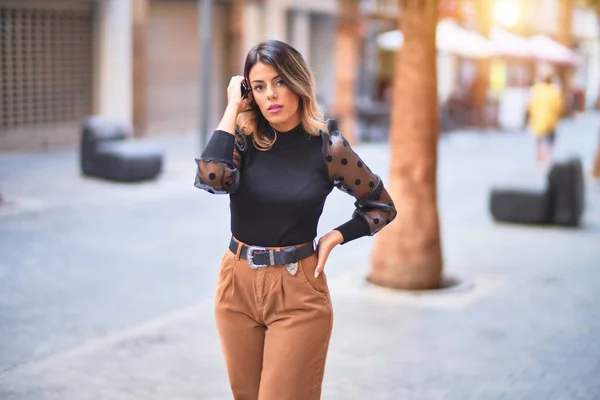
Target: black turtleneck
[[277, 196]]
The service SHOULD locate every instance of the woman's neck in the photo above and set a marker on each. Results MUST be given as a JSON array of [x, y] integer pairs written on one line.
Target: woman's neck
[[288, 125]]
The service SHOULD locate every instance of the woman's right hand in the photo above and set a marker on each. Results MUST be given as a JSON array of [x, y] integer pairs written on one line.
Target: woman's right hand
[[235, 104], [234, 94]]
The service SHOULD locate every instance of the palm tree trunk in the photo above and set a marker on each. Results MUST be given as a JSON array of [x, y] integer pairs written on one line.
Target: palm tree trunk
[[565, 15], [236, 36], [140, 10], [407, 254], [347, 48], [482, 76], [597, 9], [596, 171]]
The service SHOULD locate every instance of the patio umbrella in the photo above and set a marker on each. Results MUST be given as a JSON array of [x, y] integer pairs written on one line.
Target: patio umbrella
[[507, 44], [450, 38], [545, 48]]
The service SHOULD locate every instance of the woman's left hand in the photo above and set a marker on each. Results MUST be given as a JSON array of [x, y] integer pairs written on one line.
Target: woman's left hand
[[326, 243]]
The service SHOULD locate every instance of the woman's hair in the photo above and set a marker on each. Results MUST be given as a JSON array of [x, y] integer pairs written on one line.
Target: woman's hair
[[298, 77]]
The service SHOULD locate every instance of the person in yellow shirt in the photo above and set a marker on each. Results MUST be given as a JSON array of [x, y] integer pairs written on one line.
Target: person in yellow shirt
[[545, 108]]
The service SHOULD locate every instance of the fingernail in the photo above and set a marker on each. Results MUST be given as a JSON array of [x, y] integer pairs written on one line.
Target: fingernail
[[316, 274]]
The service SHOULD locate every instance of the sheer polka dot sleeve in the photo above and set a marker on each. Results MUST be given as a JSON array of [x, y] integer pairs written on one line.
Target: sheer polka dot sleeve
[[218, 168], [374, 206]]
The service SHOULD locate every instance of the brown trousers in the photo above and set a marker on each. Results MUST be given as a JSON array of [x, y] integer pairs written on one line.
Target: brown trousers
[[274, 329]]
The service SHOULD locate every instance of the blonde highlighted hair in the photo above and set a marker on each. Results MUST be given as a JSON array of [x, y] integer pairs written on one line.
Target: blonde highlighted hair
[[297, 75]]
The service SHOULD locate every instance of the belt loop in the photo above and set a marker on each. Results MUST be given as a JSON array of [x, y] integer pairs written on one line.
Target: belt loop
[[238, 251]]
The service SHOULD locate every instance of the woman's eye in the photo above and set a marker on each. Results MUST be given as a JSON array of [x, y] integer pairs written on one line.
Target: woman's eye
[[258, 87], [280, 83]]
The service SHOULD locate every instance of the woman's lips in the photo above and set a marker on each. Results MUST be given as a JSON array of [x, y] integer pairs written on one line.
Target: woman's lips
[[275, 109]]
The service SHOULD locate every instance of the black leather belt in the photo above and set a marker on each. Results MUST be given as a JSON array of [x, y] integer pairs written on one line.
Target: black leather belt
[[261, 257]]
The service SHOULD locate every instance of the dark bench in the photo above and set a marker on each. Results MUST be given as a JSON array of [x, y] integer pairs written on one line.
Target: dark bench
[[106, 152], [560, 203]]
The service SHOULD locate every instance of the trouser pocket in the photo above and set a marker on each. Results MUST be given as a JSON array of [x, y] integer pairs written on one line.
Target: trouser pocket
[[307, 267]]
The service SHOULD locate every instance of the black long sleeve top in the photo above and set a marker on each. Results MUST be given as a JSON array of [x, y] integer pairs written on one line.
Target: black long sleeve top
[[277, 196]]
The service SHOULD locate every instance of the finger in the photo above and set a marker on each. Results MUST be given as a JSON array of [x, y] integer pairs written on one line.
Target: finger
[[240, 79], [321, 258], [235, 81], [319, 268]]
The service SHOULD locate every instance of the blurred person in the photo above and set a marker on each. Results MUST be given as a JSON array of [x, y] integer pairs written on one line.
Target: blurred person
[[545, 109], [278, 160]]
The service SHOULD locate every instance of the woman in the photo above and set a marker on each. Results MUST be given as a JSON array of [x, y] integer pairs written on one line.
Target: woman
[[545, 109], [278, 160]]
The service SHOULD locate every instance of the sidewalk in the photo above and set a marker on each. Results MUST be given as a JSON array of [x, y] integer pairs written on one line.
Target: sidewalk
[[525, 325]]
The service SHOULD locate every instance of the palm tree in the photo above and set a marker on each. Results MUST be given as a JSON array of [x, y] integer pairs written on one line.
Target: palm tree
[[139, 48], [407, 254], [565, 15], [347, 46], [482, 77], [566, 8], [236, 35], [596, 171]]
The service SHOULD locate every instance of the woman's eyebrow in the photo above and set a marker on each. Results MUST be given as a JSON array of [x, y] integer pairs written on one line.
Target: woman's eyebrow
[[261, 81]]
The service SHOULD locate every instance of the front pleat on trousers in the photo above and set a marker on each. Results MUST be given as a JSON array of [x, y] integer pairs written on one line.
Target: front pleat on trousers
[[282, 288]]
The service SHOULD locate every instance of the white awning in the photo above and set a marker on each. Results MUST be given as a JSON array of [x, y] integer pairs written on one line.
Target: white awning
[[450, 38], [508, 44], [547, 49], [538, 47]]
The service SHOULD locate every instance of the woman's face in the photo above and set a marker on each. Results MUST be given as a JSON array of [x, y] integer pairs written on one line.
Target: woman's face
[[277, 103]]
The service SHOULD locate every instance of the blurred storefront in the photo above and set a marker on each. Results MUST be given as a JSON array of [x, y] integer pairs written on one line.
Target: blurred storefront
[[171, 62], [46, 71], [172, 58], [61, 60], [137, 61]]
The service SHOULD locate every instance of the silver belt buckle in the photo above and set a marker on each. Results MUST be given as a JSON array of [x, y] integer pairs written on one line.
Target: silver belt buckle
[[250, 257]]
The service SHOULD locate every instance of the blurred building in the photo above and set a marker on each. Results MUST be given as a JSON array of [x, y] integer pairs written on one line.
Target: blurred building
[[47, 70], [137, 60], [511, 68], [527, 18]]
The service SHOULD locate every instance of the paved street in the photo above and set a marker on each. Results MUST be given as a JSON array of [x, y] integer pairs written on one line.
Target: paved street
[[106, 289]]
